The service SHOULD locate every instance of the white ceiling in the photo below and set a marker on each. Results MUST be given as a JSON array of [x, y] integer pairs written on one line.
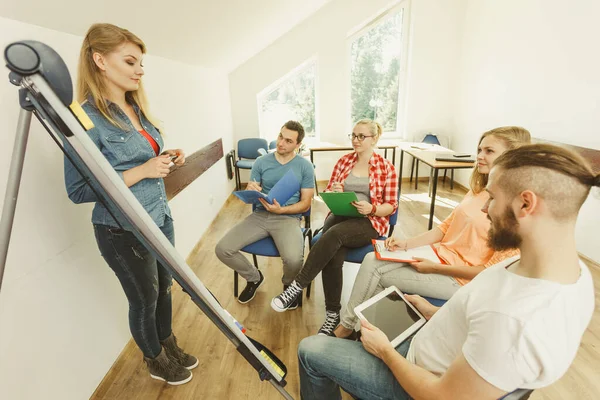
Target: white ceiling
[[218, 34]]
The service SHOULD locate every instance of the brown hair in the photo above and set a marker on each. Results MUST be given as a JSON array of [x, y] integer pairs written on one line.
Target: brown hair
[[512, 136], [560, 176], [104, 39], [296, 127]]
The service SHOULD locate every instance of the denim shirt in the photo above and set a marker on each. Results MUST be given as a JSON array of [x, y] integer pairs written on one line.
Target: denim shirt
[[124, 149]]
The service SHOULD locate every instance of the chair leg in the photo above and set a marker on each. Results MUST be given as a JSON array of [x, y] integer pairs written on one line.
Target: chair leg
[[308, 290], [235, 284], [237, 178], [255, 260]]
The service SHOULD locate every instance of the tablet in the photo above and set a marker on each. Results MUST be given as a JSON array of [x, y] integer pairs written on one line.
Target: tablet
[[393, 314]]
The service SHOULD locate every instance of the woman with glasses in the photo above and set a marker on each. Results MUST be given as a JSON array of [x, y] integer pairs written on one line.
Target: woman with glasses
[[374, 180]]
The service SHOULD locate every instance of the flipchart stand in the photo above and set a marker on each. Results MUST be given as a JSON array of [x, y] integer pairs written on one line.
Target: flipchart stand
[[46, 91]]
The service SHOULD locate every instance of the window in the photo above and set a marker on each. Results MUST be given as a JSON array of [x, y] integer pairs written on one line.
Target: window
[[290, 98], [376, 66]]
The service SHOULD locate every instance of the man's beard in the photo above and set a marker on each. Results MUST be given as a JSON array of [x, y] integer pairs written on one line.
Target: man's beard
[[503, 232]]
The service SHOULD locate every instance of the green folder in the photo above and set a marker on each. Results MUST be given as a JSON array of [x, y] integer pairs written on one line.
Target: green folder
[[340, 203]]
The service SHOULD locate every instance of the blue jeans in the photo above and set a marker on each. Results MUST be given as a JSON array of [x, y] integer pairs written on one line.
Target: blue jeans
[[145, 281], [328, 363]]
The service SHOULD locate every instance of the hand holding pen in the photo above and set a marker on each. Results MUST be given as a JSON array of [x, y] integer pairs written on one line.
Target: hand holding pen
[[253, 185]]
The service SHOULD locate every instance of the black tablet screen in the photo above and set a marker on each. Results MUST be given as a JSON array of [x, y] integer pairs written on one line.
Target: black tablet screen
[[391, 314]]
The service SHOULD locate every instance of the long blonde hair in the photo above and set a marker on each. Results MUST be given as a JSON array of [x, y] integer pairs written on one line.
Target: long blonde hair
[[513, 137], [104, 39]]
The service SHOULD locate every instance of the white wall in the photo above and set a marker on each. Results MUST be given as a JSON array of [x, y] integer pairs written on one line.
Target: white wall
[[532, 63], [430, 85], [63, 315]]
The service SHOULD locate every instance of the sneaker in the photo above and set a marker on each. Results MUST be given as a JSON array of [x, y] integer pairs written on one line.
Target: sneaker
[[250, 291], [288, 298], [296, 302], [332, 320], [176, 353], [164, 369]]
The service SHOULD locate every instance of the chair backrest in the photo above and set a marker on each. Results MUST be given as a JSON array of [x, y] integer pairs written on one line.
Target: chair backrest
[[394, 217], [273, 144], [430, 138], [248, 148], [393, 221]]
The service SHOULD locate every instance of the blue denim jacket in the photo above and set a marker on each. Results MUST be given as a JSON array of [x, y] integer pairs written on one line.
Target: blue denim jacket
[[124, 149]]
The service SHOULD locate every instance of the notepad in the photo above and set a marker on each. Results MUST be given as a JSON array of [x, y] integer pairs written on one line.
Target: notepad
[[282, 191], [340, 203], [406, 256]]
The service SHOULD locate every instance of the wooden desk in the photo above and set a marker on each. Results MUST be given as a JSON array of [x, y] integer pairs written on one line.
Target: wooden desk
[[336, 147], [428, 157]]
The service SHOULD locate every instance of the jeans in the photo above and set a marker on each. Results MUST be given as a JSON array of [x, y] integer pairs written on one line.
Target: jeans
[[145, 281], [376, 275], [328, 363], [329, 253], [286, 233]]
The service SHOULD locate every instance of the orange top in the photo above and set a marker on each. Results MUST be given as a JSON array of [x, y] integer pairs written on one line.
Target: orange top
[[465, 236]]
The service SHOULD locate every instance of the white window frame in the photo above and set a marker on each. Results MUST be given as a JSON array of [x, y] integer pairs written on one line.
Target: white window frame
[[360, 30], [266, 91]]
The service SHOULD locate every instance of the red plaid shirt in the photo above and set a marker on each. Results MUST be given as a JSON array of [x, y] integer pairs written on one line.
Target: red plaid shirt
[[383, 184]]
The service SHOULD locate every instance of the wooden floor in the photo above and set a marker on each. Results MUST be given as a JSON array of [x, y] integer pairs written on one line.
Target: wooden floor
[[224, 374]]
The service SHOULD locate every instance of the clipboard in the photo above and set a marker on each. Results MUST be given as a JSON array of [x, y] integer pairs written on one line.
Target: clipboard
[[405, 256], [340, 203]]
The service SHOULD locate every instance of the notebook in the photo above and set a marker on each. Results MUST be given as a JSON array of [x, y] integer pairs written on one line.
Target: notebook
[[451, 158], [282, 191], [406, 256]]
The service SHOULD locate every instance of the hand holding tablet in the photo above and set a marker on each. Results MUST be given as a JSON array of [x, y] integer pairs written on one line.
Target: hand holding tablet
[[395, 316]]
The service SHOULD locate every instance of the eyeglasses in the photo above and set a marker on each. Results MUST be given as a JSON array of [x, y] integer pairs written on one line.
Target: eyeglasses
[[360, 137]]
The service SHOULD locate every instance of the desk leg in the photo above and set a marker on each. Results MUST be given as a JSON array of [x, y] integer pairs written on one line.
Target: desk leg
[[400, 174], [452, 179], [433, 191], [385, 153], [416, 174], [312, 161]]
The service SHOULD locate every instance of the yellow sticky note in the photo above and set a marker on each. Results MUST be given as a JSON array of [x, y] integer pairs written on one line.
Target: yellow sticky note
[[83, 118], [273, 363]]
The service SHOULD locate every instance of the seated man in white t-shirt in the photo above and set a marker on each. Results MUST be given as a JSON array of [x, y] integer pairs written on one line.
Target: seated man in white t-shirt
[[516, 325]]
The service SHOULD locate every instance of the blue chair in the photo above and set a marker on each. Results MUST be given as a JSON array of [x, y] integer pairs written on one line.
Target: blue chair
[[272, 145], [248, 152], [430, 138], [266, 247], [357, 255]]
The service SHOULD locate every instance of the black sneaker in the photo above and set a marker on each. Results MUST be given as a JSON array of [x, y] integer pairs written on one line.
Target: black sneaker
[[332, 320], [250, 291], [288, 298], [295, 303]]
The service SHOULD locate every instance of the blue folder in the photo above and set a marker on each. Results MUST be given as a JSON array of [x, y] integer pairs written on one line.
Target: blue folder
[[282, 191]]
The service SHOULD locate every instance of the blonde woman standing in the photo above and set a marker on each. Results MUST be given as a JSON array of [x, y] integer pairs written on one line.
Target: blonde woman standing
[[374, 180], [110, 89]]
